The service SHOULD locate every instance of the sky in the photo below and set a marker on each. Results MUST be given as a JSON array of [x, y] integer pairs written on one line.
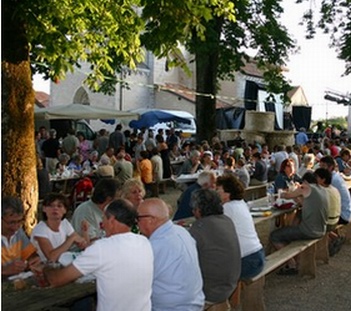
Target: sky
[[315, 68]]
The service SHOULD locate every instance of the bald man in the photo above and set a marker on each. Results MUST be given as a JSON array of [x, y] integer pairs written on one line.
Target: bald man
[[177, 283]]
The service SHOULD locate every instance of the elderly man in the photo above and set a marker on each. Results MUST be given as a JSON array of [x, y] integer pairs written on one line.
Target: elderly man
[[123, 168], [92, 211], [177, 284], [192, 165], [17, 253], [122, 263], [218, 247], [206, 180]]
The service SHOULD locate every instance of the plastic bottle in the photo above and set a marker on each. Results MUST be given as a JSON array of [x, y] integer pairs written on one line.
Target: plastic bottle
[[270, 194]]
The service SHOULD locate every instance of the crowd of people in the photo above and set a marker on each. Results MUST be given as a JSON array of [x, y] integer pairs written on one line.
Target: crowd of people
[[126, 237]]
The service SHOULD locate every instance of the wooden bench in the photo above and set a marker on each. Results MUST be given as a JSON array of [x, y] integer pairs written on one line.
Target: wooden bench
[[308, 252], [255, 192]]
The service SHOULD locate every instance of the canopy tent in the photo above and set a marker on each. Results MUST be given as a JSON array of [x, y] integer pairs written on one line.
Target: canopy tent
[[78, 111], [150, 117]]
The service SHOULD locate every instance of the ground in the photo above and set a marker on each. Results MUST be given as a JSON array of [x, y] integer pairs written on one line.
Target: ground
[[329, 291]]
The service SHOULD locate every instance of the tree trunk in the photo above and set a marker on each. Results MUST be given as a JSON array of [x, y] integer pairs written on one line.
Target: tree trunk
[[206, 53], [19, 175]]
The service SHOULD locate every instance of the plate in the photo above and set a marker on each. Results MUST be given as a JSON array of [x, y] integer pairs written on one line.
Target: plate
[[260, 209]]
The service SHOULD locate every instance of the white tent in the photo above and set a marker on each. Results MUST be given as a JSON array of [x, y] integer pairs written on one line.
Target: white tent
[[78, 111]]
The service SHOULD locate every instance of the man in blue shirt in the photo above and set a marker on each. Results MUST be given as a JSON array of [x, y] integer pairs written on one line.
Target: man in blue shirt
[[206, 180], [301, 137], [177, 283]]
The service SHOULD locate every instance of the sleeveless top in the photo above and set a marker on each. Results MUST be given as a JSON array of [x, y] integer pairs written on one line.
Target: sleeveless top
[[315, 213]]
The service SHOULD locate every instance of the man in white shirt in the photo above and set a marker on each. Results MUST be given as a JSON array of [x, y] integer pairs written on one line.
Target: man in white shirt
[[122, 263]]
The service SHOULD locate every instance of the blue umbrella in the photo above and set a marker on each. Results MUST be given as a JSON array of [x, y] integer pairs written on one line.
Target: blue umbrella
[[150, 118]]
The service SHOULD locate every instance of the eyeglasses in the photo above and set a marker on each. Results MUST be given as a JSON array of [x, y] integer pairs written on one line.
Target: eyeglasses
[[13, 222], [143, 216]]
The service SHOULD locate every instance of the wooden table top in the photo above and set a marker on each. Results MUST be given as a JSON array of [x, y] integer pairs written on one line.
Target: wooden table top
[[36, 298]]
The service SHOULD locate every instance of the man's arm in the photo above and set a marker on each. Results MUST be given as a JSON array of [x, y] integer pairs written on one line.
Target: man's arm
[[60, 277]]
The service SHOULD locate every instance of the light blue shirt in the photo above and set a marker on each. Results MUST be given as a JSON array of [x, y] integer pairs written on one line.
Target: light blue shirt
[[301, 138], [177, 283], [339, 183]]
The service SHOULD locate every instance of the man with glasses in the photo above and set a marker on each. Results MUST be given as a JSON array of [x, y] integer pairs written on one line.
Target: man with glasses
[[177, 283], [17, 253]]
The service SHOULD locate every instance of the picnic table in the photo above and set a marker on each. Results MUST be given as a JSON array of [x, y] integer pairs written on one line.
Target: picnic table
[[264, 224], [44, 298]]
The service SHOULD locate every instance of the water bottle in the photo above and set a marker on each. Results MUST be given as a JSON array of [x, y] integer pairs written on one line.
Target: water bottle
[[270, 194]]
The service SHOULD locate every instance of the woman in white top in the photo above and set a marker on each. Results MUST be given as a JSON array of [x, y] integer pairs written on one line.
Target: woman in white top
[[231, 192], [55, 235]]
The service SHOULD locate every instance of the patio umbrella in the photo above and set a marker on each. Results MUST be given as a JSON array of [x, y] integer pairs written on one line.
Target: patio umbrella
[[152, 117]]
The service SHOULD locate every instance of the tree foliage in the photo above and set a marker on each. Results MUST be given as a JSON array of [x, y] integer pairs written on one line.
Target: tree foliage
[[104, 33], [334, 18], [51, 37], [220, 40]]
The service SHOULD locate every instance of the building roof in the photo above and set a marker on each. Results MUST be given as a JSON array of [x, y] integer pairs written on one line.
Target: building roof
[[42, 99], [188, 94]]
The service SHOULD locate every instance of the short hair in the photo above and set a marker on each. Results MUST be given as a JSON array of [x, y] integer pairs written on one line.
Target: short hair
[[144, 154], [11, 205], [232, 185], [207, 201], [325, 174], [81, 134], [52, 197], [308, 158], [63, 156], [94, 153], [256, 155], [205, 177], [329, 161], [344, 152], [123, 211], [132, 182], [105, 161], [310, 177], [104, 189], [195, 153]]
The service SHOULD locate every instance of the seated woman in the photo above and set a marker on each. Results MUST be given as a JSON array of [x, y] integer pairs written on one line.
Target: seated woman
[[175, 153], [62, 163], [134, 191], [231, 192], [207, 161], [76, 164], [54, 235], [287, 178], [307, 164]]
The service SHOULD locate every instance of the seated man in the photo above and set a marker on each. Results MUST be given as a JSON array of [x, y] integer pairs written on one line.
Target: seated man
[[123, 168], [313, 218], [191, 165], [122, 263], [17, 253], [260, 173], [218, 246], [206, 180], [92, 210], [177, 283]]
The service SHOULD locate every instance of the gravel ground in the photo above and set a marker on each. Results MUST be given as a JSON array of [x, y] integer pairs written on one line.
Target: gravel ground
[[329, 291]]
